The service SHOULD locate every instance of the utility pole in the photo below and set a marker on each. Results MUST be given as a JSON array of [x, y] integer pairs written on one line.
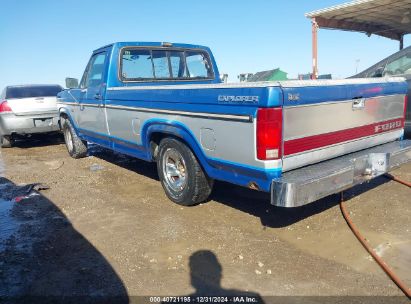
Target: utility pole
[[314, 30], [401, 42]]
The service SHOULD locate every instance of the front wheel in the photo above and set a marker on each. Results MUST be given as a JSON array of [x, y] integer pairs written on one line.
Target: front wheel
[[181, 176], [75, 146]]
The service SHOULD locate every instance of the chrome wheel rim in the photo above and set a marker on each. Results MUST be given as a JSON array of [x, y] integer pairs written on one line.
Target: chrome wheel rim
[[69, 139], [174, 168]]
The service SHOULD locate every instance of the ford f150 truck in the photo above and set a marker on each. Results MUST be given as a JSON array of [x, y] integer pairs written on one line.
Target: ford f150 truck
[[298, 140]]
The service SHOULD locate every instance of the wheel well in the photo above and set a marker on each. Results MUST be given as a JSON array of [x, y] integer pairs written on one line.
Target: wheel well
[[155, 140], [62, 116]]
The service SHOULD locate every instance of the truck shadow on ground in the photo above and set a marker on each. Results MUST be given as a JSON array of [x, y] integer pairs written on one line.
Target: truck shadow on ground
[[250, 201], [44, 259], [126, 162], [258, 203]]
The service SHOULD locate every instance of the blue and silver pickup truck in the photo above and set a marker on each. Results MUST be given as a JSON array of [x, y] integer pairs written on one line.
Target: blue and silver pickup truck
[[298, 140]]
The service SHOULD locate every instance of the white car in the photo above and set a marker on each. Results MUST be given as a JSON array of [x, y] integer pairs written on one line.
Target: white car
[[27, 109]]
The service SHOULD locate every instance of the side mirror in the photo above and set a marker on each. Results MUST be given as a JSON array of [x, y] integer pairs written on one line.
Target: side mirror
[[378, 72], [71, 83]]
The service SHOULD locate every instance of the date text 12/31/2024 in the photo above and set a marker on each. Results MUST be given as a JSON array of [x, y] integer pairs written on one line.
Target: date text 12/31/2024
[[205, 299]]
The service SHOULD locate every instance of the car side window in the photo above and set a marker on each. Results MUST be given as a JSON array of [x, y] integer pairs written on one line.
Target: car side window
[[399, 66], [93, 76]]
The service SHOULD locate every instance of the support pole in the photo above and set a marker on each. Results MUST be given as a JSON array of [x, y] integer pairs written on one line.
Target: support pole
[[401, 42], [314, 29]]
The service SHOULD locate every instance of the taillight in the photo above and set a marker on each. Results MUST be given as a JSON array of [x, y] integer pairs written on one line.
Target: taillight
[[269, 133], [4, 107]]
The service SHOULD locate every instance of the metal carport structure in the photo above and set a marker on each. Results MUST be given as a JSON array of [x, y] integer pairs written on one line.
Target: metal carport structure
[[386, 18]]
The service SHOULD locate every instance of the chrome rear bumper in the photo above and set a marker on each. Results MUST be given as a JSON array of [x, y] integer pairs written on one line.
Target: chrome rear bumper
[[305, 185]]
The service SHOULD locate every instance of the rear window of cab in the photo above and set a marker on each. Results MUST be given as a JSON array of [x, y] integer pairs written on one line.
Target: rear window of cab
[[142, 64]]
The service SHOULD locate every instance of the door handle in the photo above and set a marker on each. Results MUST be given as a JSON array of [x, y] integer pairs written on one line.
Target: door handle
[[97, 96]]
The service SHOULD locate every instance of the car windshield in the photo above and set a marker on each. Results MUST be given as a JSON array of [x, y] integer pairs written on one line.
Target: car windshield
[[32, 91], [401, 65]]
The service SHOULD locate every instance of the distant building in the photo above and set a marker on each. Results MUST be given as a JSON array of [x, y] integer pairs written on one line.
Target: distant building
[[309, 76], [324, 76], [224, 77], [270, 75], [243, 77]]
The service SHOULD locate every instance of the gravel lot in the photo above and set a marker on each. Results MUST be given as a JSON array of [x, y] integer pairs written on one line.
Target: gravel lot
[[106, 228]]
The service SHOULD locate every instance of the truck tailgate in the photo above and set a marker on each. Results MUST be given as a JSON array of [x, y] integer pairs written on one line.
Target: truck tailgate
[[325, 119], [305, 185]]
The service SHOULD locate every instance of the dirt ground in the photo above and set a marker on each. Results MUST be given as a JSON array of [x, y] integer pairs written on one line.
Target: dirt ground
[[106, 228]]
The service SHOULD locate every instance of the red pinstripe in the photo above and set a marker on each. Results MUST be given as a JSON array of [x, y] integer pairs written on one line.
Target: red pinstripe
[[318, 141]]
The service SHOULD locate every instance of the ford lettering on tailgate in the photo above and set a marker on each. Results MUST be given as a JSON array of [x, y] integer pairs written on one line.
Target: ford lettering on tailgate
[[388, 126]]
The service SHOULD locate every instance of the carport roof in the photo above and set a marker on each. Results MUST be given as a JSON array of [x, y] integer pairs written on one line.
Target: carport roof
[[387, 18]]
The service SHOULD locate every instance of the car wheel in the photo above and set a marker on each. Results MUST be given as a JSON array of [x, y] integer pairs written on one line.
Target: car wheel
[[181, 176], [6, 141], [75, 146]]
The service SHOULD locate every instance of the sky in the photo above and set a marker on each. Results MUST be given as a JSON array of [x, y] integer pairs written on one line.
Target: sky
[[44, 41]]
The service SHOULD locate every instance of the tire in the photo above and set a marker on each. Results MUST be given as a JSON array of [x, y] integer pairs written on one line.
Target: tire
[[6, 141], [75, 146], [181, 176]]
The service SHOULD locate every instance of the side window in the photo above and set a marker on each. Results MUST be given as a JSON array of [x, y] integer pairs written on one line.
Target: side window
[[198, 65], [93, 75], [399, 66], [160, 62], [136, 65]]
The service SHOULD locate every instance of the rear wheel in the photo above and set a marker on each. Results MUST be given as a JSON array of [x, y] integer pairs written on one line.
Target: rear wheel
[[75, 146], [6, 141], [181, 176]]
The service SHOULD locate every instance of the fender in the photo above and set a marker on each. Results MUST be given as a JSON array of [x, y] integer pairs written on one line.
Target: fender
[[215, 168], [174, 128], [67, 112], [63, 110]]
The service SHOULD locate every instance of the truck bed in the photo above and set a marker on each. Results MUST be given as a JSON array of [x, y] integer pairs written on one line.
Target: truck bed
[[322, 119]]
